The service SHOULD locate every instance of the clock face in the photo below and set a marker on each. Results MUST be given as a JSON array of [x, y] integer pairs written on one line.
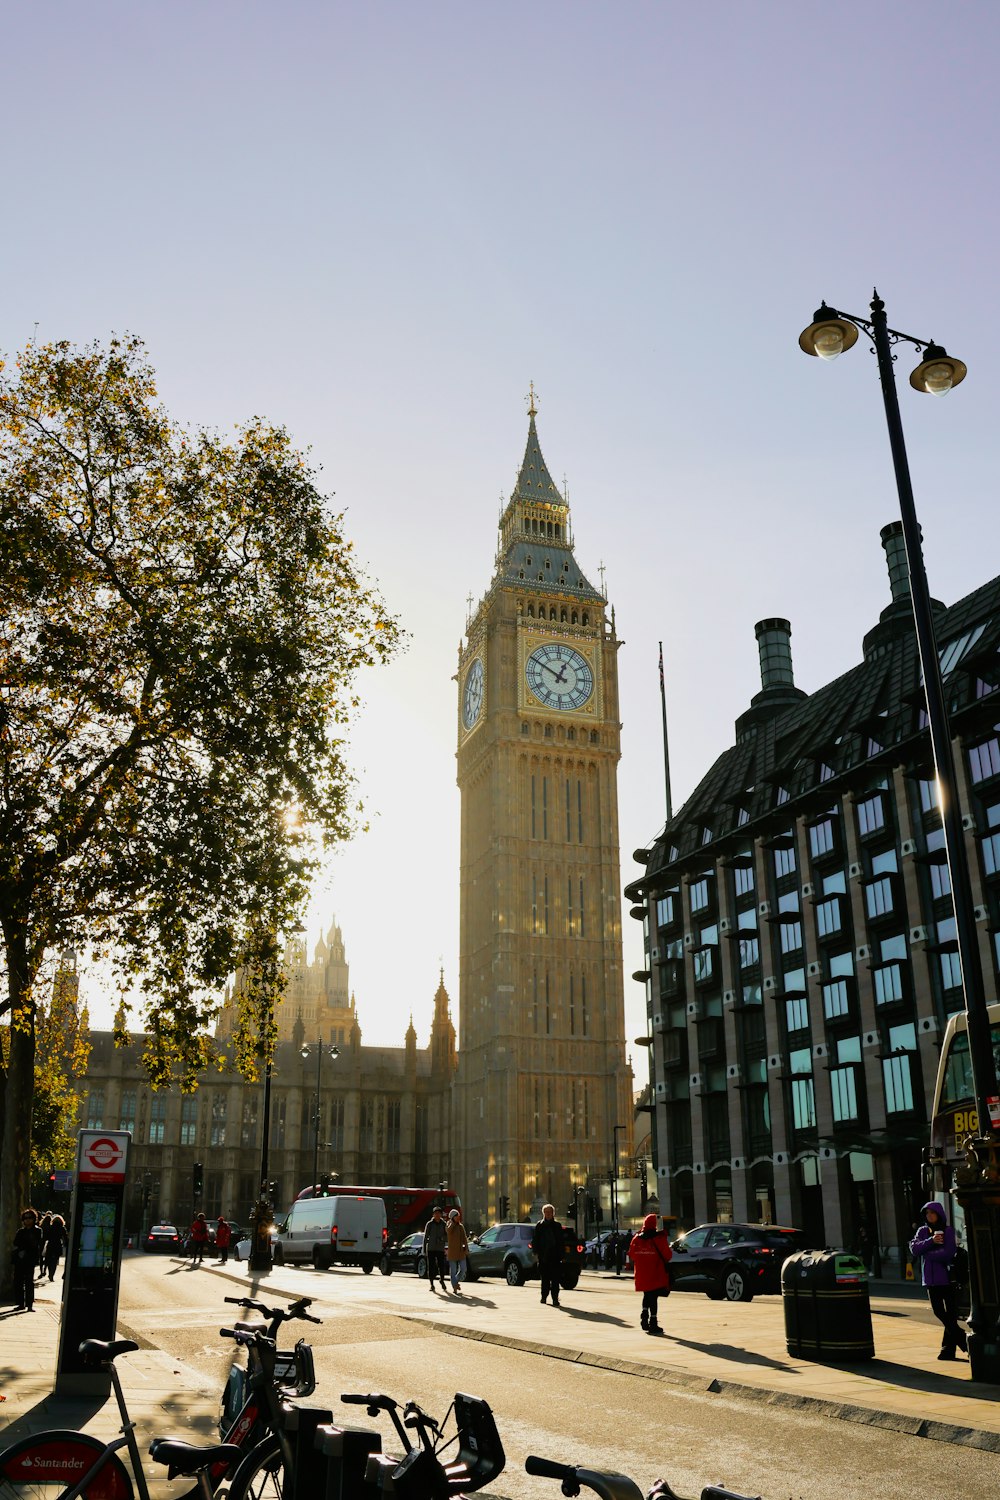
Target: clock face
[[472, 697], [559, 677]]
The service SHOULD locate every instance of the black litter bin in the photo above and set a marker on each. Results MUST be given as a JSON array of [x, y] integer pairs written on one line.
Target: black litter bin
[[827, 1312]]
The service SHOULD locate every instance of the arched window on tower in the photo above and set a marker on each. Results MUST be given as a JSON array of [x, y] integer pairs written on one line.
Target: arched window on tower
[[562, 617], [574, 618], [531, 611], [552, 613], [586, 618]]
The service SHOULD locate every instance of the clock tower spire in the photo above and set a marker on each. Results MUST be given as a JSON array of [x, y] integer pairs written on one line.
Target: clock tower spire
[[543, 1077]]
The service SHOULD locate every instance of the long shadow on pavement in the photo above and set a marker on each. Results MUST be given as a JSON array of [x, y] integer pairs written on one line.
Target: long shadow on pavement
[[886, 1372], [730, 1351]]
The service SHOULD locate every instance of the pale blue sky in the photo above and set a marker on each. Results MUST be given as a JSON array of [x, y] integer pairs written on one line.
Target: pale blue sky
[[377, 222]]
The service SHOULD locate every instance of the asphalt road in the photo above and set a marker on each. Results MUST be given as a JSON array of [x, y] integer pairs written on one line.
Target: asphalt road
[[571, 1413]]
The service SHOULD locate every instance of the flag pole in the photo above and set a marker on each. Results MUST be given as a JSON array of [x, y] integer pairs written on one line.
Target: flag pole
[[666, 748]]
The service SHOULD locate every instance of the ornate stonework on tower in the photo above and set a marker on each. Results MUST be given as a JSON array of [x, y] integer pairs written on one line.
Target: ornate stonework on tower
[[543, 1077], [317, 1002]]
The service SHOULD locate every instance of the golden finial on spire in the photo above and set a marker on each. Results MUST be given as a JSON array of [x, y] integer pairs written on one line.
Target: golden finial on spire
[[532, 400]]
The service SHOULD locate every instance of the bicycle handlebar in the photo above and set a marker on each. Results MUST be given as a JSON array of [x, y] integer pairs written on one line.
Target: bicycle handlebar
[[278, 1315], [353, 1398], [607, 1485], [547, 1469]]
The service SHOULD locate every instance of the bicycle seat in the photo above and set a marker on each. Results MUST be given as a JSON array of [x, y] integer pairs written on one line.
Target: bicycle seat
[[101, 1349], [188, 1458]]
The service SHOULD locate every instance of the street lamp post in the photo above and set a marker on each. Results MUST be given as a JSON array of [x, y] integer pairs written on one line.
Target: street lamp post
[[614, 1184], [831, 333], [263, 1213], [332, 1051]]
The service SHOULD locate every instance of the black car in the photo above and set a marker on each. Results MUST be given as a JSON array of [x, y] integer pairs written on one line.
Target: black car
[[406, 1255], [733, 1261], [164, 1239]]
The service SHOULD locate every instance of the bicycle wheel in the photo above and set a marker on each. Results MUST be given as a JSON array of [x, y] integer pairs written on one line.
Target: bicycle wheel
[[45, 1466], [261, 1475]]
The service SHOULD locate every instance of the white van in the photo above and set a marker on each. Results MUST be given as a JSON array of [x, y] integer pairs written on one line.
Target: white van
[[344, 1230]]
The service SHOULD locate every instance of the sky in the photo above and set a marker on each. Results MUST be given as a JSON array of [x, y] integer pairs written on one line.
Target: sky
[[375, 223]]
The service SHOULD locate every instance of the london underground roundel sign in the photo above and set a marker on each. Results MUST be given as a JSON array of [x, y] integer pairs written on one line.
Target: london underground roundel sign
[[102, 1156]]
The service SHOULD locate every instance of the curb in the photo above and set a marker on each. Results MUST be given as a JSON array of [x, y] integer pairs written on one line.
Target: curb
[[844, 1411]]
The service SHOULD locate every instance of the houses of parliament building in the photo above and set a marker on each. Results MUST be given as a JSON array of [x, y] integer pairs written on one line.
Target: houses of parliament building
[[537, 1100]]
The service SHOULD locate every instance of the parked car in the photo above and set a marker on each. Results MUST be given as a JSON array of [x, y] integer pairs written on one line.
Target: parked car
[[164, 1239], [406, 1255], [505, 1250], [733, 1261]]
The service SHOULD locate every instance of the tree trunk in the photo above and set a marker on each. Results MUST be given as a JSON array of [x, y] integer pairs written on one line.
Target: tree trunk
[[15, 1180]]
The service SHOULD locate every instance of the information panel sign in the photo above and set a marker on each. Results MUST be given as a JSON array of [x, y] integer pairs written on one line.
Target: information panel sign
[[93, 1260]]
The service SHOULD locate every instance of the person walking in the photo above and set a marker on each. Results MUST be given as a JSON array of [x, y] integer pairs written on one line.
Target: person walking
[[458, 1249], [27, 1253], [199, 1238], [547, 1244], [934, 1244], [435, 1247], [650, 1253], [223, 1240], [55, 1244], [44, 1225]]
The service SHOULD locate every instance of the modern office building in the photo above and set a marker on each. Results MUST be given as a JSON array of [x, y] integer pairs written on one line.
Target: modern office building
[[544, 1097], [801, 955]]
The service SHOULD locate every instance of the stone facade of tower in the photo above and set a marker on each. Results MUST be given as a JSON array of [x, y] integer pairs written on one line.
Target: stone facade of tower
[[543, 1076], [317, 1003]]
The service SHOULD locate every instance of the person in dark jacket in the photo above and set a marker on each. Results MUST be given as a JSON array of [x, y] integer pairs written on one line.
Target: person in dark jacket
[[650, 1253], [547, 1245], [934, 1244], [27, 1254], [55, 1244], [435, 1247]]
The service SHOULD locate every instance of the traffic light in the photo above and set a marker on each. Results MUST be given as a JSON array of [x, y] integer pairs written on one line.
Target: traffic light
[[504, 1205], [197, 1178], [272, 1189]]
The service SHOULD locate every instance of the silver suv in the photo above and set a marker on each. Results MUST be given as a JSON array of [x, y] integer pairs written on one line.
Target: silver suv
[[505, 1250]]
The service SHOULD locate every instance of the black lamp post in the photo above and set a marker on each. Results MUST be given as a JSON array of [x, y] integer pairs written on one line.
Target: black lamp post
[[263, 1210], [831, 333], [332, 1051], [614, 1183]]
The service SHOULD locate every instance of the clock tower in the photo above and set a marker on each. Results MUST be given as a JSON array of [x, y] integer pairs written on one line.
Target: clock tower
[[543, 1078]]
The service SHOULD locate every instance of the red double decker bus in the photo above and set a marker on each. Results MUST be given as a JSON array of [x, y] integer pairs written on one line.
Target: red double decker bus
[[407, 1209]]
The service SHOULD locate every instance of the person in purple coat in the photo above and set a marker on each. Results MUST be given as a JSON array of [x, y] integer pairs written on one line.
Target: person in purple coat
[[934, 1245]]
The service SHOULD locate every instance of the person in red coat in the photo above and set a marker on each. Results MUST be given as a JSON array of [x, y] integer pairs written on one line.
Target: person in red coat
[[650, 1252], [199, 1238], [223, 1239]]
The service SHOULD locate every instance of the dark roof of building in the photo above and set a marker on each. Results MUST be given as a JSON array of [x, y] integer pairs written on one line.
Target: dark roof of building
[[523, 563], [853, 727], [534, 482]]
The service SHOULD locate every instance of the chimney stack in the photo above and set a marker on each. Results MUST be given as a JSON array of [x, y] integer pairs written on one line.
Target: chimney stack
[[895, 556], [774, 640]]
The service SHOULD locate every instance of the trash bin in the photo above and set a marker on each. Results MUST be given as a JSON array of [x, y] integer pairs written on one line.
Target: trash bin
[[827, 1312]]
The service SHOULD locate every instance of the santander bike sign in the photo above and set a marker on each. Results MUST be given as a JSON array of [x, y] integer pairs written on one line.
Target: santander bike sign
[[103, 1155]]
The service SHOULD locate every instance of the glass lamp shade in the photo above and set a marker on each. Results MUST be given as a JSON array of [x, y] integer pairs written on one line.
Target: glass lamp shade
[[937, 373], [827, 335]]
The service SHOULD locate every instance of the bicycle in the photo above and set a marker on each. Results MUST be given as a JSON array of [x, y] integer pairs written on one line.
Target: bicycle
[[293, 1369], [68, 1465], [610, 1486], [422, 1472]]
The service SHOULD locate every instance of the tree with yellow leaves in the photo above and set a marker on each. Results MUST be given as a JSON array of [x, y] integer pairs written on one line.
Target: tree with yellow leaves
[[182, 623]]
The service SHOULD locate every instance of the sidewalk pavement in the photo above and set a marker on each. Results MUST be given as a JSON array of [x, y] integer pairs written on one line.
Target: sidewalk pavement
[[731, 1349]]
